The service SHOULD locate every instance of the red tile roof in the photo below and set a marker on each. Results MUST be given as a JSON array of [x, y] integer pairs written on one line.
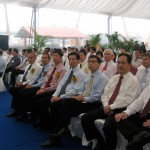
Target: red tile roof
[[56, 32]]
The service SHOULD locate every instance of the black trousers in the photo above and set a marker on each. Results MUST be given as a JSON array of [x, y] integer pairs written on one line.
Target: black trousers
[[132, 126], [14, 73], [25, 97], [15, 92], [91, 132], [35, 104], [41, 106], [67, 108], [1, 74]]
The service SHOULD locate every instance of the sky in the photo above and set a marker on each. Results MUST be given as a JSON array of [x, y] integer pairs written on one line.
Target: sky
[[87, 23]]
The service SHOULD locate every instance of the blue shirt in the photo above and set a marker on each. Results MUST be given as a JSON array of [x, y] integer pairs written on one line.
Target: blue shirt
[[100, 80], [37, 82]]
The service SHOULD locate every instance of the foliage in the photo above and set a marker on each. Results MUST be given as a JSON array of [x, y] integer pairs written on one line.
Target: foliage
[[117, 41], [40, 42], [114, 41], [94, 40]]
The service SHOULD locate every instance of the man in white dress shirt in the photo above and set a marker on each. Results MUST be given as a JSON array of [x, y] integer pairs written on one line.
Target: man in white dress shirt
[[143, 74], [31, 72], [136, 62], [109, 68], [134, 122], [115, 99]]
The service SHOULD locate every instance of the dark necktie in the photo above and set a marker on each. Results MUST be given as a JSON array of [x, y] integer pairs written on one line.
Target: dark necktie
[[81, 66], [105, 67], [146, 110], [25, 74], [40, 74], [50, 78], [66, 83], [116, 91]]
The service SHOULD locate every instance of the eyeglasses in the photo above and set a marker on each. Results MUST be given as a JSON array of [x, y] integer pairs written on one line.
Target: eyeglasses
[[92, 61]]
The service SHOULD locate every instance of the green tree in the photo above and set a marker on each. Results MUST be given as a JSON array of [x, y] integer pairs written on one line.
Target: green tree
[[40, 42]]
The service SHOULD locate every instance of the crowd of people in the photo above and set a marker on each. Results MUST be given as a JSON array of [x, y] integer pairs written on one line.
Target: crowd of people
[[63, 83]]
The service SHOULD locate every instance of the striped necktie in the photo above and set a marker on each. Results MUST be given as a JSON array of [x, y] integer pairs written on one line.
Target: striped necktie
[[25, 74], [63, 89]]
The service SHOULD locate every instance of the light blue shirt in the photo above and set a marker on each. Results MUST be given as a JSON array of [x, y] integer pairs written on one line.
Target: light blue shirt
[[73, 88], [100, 80], [2, 64], [37, 82]]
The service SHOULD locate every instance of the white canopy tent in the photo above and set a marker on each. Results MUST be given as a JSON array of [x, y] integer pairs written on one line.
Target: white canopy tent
[[125, 8]]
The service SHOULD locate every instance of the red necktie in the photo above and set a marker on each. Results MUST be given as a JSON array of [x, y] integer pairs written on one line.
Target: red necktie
[[105, 67], [116, 91], [146, 109], [50, 78]]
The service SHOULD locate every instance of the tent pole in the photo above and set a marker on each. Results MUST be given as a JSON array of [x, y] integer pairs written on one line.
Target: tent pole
[[109, 17], [34, 21]]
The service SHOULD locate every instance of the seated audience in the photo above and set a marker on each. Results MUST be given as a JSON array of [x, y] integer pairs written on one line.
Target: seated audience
[[87, 99], [120, 91]]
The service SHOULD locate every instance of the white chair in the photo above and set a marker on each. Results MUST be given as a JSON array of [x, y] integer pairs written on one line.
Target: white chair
[[121, 141], [2, 85], [76, 129]]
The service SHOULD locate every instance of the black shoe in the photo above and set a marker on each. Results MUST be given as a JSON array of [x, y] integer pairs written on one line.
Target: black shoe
[[19, 118], [12, 114], [62, 132], [51, 142], [42, 128], [139, 141]]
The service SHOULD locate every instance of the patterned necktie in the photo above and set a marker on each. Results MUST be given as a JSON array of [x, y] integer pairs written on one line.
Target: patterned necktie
[[50, 78], [25, 74], [88, 87], [116, 91], [146, 110], [105, 67], [63, 89]]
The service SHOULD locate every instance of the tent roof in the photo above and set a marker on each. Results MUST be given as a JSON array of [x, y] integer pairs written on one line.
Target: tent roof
[[51, 32], [126, 8]]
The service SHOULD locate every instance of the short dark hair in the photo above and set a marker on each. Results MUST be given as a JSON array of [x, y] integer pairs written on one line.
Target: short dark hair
[[29, 50], [64, 48], [93, 48], [94, 56], [15, 50], [47, 49], [58, 51], [146, 55], [24, 50], [99, 52], [83, 51], [9, 50], [47, 55], [129, 57], [76, 54]]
